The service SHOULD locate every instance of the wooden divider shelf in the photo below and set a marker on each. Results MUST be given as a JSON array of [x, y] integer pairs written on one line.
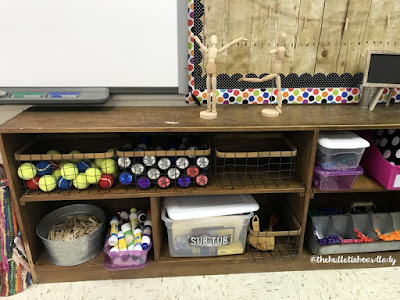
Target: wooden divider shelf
[[119, 192]]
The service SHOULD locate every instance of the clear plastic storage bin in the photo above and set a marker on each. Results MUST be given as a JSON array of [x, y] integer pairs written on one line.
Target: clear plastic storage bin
[[335, 180], [214, 236], [340, 150]]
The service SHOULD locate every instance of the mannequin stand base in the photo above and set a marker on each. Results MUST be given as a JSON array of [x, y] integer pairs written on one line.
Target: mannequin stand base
[[208, 115], [270, 112]]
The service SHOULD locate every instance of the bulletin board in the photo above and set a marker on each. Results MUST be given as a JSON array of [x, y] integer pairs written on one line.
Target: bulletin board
[[327, 42]]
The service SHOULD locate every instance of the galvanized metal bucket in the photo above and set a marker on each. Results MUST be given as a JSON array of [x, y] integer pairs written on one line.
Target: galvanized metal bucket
[[75, 252]]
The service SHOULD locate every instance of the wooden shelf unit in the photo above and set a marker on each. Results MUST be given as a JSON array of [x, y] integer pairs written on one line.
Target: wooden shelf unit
[[300, 124]]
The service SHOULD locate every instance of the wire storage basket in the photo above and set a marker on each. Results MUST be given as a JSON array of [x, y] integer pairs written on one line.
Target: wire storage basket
[[254, 159], [161, 161], [274, 230], [66, 162]]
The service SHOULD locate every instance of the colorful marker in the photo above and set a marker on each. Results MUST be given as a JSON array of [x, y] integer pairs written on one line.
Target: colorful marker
[[113, 239], [64, 95], [28, 95]]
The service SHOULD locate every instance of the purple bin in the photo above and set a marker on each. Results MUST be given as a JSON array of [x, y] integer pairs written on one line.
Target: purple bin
[[335, 180]]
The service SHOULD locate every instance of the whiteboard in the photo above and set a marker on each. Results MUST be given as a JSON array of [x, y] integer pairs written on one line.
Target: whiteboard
[[89, 43]]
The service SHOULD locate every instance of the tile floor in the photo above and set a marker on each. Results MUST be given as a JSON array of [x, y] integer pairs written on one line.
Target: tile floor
[[373, 283]]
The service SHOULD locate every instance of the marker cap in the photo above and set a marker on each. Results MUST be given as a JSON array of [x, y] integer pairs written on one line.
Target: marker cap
[[125, 227], [114, 249], [113, 240], [137, 247], [146, 242]]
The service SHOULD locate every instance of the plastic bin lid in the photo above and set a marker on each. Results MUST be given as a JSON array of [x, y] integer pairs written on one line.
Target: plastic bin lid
[[341, 140], [195, 207], [341, 172]]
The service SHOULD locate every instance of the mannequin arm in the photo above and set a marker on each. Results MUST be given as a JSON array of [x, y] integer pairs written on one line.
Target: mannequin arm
[[231, 43], [265, 78], [204, 48]]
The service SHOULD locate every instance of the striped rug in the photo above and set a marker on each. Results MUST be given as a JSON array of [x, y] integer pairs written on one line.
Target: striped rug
[[14, 278]]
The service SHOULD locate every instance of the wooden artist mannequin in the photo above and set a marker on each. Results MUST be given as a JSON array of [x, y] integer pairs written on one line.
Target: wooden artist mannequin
[[211, 71], [279, 53]]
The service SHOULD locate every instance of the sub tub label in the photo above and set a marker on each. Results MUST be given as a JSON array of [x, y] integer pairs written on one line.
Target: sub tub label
[[206, 240]]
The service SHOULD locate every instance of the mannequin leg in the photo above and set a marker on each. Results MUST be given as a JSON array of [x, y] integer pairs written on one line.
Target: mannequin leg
[[211, 112], [279, 87], [209, 92], [214, 88], [270, 112]]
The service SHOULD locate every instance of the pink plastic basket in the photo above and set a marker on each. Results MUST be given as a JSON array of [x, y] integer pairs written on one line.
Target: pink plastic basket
[[377, 166], [124, 260]]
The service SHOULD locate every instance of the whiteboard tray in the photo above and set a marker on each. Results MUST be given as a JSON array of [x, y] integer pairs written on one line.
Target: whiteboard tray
[[86, 96]]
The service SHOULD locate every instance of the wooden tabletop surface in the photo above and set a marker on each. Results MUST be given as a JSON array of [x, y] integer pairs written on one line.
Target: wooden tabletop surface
[[180, 119]]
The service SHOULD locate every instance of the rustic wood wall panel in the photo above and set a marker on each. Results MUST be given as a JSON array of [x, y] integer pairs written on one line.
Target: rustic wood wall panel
[[217, 24], [375, 30], [262, 30], [317, 40], [305, 53], [239, 26], [330, 36], [351, 48], [291, 26], [393, 34]]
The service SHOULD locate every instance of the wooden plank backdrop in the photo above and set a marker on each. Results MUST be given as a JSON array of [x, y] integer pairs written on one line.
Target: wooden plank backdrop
[[319, 39]]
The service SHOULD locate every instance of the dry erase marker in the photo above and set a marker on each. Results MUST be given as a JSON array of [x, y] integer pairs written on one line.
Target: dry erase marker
[[28, 95], [64, 94]]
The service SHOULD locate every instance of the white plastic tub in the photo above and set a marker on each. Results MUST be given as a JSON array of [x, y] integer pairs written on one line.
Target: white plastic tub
[[340, 150], [208, 225], [214, 236]]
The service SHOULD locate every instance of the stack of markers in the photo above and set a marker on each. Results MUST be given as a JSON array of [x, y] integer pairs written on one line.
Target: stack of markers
[[130, 231], [161, 170]]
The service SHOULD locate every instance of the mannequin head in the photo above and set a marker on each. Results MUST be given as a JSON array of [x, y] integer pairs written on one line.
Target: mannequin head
[[213, 40], [282, 39]]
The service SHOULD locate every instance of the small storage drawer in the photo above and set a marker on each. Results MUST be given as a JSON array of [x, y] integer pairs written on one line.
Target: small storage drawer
[[335, 180]]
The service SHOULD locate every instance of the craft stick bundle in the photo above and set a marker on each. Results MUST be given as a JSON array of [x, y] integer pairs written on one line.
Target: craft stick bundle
[[74, 227]]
